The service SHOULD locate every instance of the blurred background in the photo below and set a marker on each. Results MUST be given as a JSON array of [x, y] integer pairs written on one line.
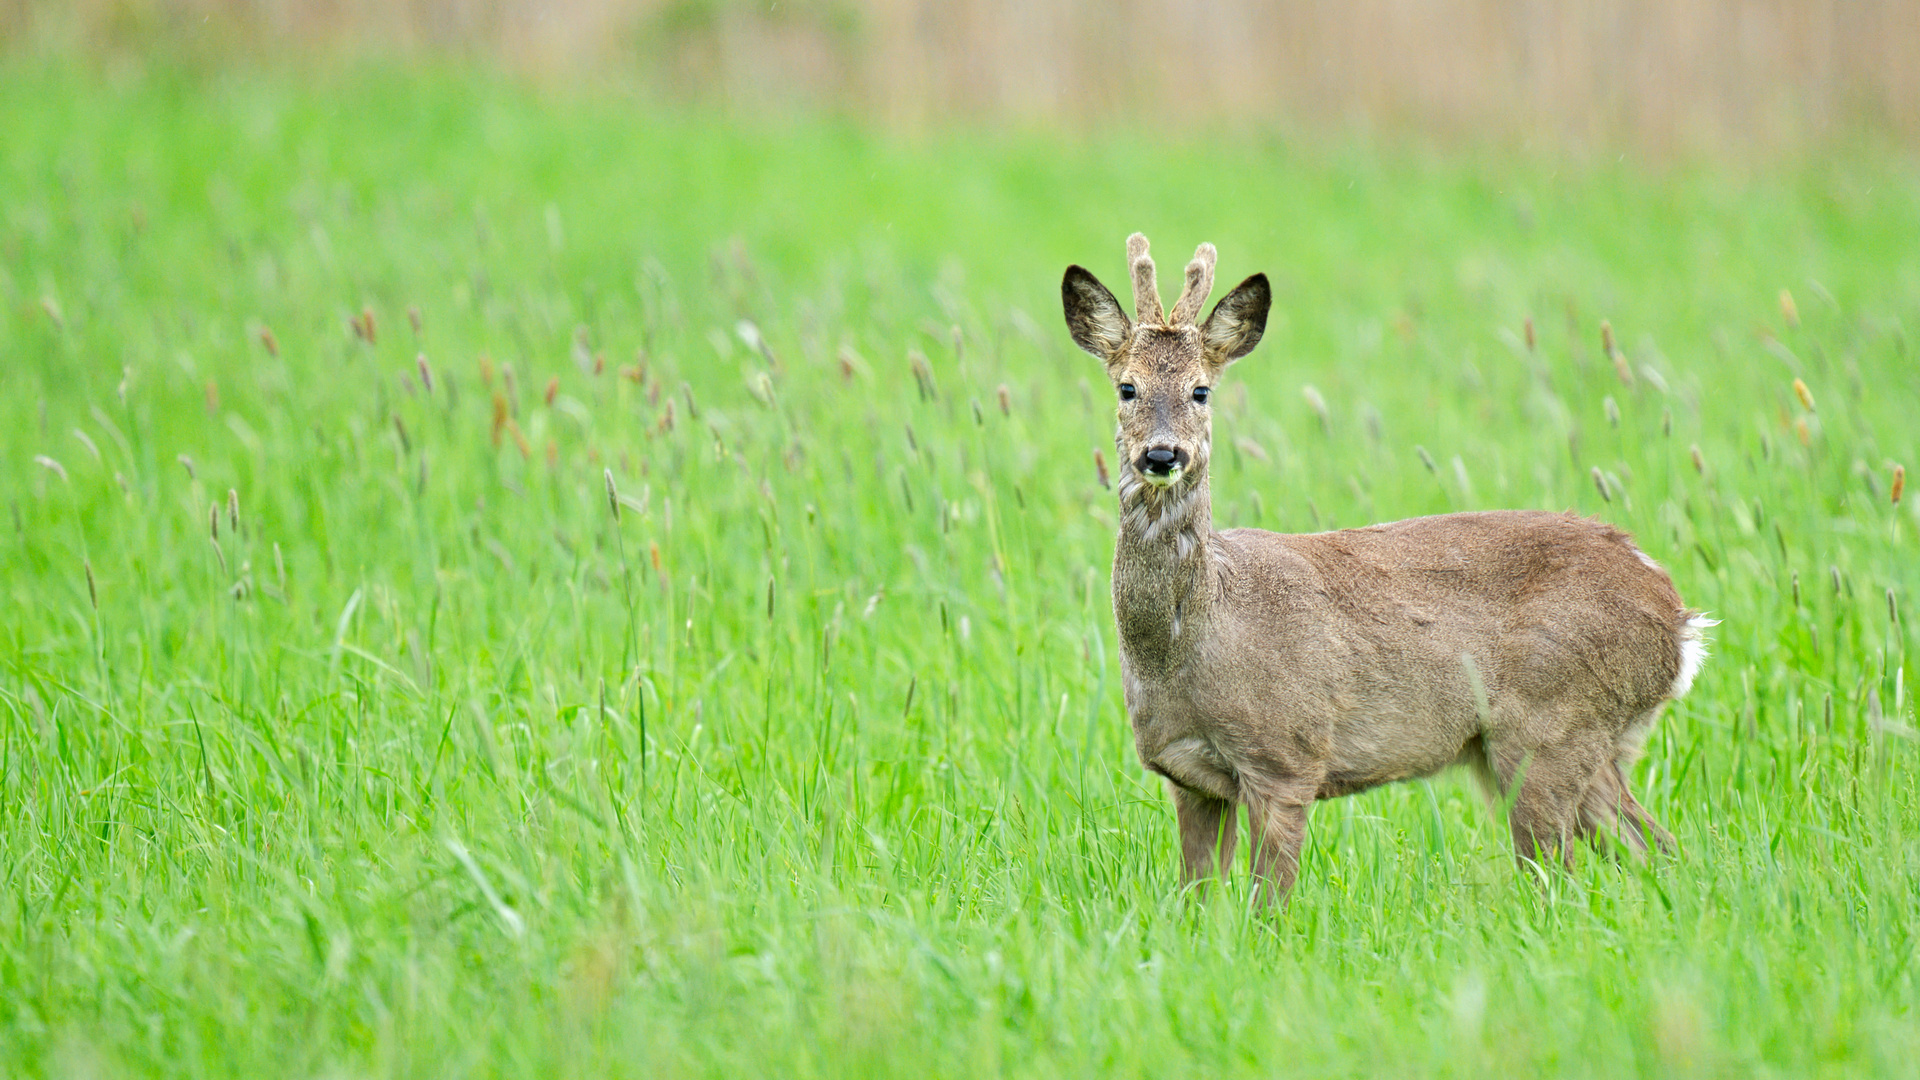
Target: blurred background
[[1684, 76]]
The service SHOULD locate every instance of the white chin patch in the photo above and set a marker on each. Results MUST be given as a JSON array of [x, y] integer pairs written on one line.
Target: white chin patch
[[1162, 480]]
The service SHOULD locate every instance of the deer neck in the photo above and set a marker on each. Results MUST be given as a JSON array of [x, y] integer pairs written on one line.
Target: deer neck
[[1162, 559]]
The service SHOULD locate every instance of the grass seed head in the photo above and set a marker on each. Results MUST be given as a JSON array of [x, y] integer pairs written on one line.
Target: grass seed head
[[187, 464], [213, 522], [93, 595], [400, 429], [500, 418], [553, 390], [53, 466], [849, 363], [213, 397], [369, 329], [519, 440], [1801, 429], [760, 385], [1600, 485], [922, 373], [272, 343], [1100, 469], [233, 510], [1699, 461], [1427, 460], [1532, 341], [426, 372], [1318, 404], [1899, 483], [1006, 404], [1613, 411], [613, 495], [1805, 395], [1788, 310], [413, 318], [1621, 367], [486, 370]]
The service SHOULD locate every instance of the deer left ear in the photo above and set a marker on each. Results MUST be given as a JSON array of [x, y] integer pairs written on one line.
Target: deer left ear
[[1237, 321]]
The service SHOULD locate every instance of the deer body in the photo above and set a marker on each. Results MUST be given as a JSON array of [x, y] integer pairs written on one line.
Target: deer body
[[1267, 671]]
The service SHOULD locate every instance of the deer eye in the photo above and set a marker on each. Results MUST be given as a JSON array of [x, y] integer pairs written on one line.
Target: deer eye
[[1200, 394], [1127, 391]]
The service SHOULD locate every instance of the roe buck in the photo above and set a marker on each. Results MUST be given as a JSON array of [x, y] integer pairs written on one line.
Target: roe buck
[[1271, 670]]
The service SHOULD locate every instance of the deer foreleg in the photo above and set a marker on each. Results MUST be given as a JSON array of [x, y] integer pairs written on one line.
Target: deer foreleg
[[1208, 828]]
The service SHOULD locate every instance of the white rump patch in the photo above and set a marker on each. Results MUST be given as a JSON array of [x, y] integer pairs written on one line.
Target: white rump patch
[[1693, 652]]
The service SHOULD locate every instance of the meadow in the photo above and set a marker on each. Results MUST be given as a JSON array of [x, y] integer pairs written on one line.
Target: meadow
[[505, 581]]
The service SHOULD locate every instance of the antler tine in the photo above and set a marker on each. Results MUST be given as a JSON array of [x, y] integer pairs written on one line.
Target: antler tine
[[1146, 292], [1186, 311]]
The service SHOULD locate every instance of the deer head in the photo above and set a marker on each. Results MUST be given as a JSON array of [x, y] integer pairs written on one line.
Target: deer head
[[1163, 367]]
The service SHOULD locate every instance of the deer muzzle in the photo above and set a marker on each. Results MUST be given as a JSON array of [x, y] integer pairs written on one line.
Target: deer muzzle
[[1162, 465]]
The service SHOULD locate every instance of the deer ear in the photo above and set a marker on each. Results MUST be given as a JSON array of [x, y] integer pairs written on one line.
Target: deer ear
[[1094, 317], [1237, 321]]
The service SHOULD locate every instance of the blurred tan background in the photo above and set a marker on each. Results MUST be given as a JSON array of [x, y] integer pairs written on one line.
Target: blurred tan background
[[1710, 75]]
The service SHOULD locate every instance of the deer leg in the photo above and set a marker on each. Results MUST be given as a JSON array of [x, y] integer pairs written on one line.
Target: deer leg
[[1642, 822], [1544, 813], [1208, 828], [1602, 809], [1279, 829]]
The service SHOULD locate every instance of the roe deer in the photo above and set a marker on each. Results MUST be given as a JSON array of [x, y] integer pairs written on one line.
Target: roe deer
[[1271, 670]]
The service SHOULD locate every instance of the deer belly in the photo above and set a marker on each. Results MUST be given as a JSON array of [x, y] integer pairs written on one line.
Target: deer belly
[[1379, 749], [1194, 764]]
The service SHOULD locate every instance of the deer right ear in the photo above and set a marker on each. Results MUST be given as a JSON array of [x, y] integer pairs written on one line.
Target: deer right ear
[[1094, 317]]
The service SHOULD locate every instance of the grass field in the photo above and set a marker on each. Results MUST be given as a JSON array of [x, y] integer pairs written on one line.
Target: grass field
[[346, 730]]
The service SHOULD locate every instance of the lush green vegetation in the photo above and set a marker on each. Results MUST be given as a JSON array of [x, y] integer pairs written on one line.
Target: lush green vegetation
[[345, 729]]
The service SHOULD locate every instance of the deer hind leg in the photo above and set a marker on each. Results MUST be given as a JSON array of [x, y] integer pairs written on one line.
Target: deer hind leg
[[1609, 808], [1609, 811], [1208, 830], [1553, 779]]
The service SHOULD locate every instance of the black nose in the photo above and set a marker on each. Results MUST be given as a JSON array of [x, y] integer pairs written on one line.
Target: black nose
[[1161, 460]]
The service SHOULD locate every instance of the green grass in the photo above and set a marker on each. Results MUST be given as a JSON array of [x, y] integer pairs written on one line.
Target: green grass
[[427, 770]]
